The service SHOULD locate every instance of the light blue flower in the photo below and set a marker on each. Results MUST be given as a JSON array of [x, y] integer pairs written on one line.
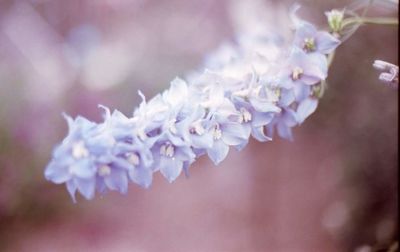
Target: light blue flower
[[223, 125], [283, 123], [310, 40], [303, 68], [73, 161], [194, 129], [257, 87], [130, 149], [170, 155], [256, 110]]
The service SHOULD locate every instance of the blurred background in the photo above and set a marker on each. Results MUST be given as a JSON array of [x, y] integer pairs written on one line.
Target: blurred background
[[333, 189]]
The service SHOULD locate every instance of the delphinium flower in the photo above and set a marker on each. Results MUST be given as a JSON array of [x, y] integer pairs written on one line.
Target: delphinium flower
[[130, 147], [253, 87], [311, 40], [390, 72], [85, 160]]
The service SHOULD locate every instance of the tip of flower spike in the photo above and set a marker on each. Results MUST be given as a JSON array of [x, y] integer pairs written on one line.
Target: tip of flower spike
[[107, 113], [67, 118], [293, 15], [142, 96]]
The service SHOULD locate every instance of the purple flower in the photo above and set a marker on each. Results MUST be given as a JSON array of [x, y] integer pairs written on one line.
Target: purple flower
[[223, 127], [310, 40], [390, 72], [81, 158], [255, 89], [303, 68], [130, 149], [257, 108], [171, 154], [283, 123]]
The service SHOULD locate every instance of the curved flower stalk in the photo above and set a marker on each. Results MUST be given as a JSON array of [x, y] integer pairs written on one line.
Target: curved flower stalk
[[246, 91]]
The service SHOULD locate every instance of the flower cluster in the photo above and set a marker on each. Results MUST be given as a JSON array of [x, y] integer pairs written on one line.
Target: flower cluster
[[253, 87]]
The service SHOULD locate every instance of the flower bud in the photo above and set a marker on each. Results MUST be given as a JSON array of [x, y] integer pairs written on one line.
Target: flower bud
[[335, 20]]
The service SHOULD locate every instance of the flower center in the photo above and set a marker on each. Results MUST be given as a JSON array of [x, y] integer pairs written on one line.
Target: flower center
[[273, 94], [309, 44], [79, 150], [297, 73], [167, 150], [217, 133], [104, 170], [245, 115], [277, 92], [133, 159]]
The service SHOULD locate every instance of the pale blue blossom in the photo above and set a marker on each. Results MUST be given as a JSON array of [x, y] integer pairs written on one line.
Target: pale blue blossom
[[303, 68], [310, 40], [254, 88]]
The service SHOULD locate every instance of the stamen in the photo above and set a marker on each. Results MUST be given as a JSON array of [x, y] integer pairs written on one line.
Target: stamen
[[79, 150], [309, 44], [217, 133], [273, 94], [133, 159], [245, 115], [167, 150], [104, 170], [297, 72]]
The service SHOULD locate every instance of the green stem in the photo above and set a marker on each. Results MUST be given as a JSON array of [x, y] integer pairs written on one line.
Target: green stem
[[330, 58], [371, 20]]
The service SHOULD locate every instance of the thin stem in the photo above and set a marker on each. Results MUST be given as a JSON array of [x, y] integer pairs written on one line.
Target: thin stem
[[330, 58], [364, 13], [371, 20]]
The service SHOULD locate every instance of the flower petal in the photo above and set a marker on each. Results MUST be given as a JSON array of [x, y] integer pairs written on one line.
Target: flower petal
[[326, 43], [233, 133], [83, 168], [258, 133], [261, 119], [284, 131], [56, 173], [218, 152], [71, 187], [170, 168], [204, 141], [306, 108], [117, 180], [141, 176], [86, 187]]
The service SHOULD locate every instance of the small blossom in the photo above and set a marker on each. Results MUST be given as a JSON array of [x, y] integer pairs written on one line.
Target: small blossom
[[170, 155], [310, 40], [335, 20], [302, 68], [390, 72], [283, 123]]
